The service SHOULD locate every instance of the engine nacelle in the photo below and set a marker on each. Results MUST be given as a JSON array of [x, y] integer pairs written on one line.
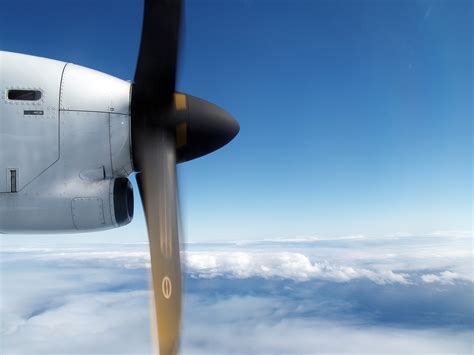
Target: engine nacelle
[[84, 205], [65, 147]]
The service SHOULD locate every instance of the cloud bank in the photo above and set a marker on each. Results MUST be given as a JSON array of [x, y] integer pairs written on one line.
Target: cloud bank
[[350, 295], [265, 333], [283, 265]]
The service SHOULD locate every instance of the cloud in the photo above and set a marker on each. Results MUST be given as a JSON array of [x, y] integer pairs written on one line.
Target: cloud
[[382, 261], [84, 323], [298, 239], [454, 233], [285, 265], [446, 278], [248, 325], [331, 296]]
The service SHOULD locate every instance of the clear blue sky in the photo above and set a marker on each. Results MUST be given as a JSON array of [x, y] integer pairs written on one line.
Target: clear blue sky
[[356, 116]]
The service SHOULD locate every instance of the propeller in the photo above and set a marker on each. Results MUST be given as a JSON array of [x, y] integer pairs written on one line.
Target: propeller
[[167, 128]]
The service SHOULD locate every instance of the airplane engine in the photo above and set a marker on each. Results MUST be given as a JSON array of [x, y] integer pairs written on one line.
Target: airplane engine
[[85, 205], [65, 147]]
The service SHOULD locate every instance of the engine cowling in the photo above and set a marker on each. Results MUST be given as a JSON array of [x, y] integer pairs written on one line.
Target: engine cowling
[[65, 154], [85, 205], [108, 204]]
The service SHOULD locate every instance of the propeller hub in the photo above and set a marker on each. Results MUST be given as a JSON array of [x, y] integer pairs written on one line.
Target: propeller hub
[[201, 127]]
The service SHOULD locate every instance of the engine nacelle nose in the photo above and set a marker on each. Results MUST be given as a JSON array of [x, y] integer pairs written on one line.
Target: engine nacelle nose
[[201, 127]]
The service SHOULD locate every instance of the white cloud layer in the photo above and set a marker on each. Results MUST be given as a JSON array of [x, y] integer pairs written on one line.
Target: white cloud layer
[[350, 295], [259, 335], [445, 278], [402, 260], [284, 265]]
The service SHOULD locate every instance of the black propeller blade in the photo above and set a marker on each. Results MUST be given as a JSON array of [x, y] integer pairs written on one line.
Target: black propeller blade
[[157, 184], [155, 158], [155, 75], [167, 128]]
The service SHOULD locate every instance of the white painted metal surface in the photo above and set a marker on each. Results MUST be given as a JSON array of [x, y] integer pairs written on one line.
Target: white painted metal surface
[[89, 90], [28, 143], [67, 158]]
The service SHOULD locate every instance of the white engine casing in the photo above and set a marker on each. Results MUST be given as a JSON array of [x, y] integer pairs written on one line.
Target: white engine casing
[[67, 149]]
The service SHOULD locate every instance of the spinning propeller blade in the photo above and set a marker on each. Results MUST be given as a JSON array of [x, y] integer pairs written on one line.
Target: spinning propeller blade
[[167, 128]]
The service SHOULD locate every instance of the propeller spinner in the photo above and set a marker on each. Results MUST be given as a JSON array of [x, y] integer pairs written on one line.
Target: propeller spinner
[[167, 128]]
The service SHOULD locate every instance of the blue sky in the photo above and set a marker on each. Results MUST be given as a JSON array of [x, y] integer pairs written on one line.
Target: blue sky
[[356, 116]]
